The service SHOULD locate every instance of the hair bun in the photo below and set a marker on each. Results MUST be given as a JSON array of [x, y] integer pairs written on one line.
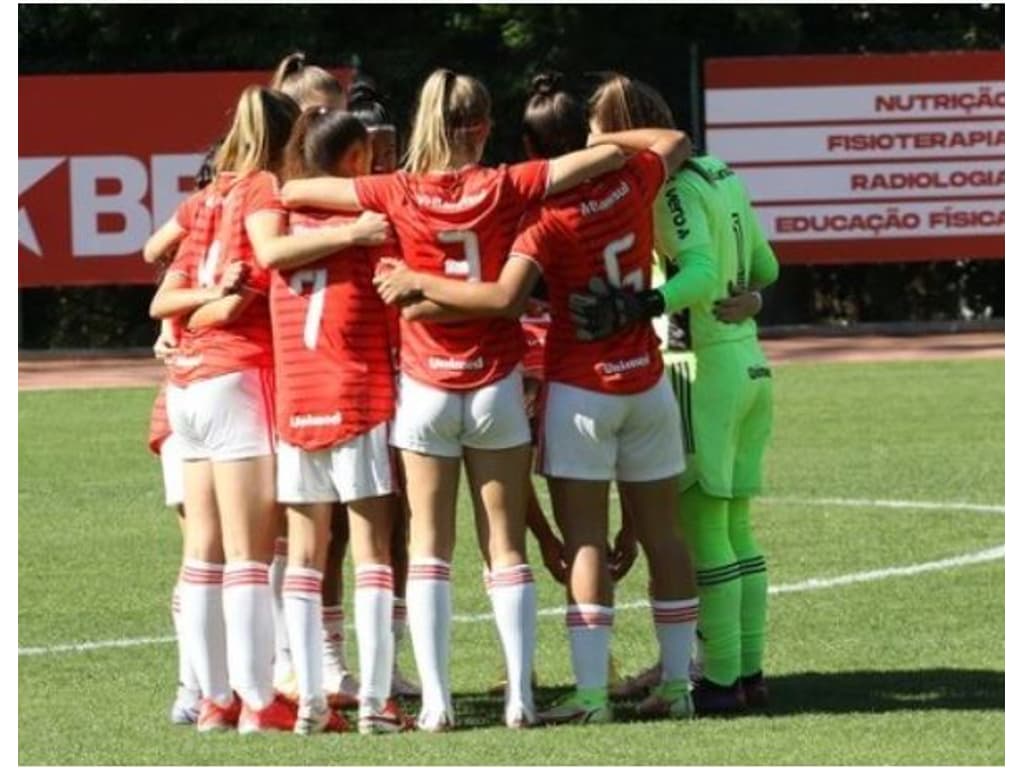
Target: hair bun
[[546, 84], [363, 89]]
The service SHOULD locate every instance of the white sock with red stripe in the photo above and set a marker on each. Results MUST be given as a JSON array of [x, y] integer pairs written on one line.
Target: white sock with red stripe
[[202, 627], [186, 674], [282, 646], [514, 599], [675, 623], [249, 618], [429, 596], [375, 590], [302, 603], [590, 631]]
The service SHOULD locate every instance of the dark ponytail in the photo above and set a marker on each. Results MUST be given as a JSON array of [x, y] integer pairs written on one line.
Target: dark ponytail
[[555, 120], [320, 138]]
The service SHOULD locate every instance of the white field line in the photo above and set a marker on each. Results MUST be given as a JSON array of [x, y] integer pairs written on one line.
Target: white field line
[[835, 501], [950, 506], [808, 585]]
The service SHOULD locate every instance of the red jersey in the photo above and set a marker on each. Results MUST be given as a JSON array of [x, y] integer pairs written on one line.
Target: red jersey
[[332, 345], [605, 228], [458, 224], [535, 322], [159, 426], [214, 220]]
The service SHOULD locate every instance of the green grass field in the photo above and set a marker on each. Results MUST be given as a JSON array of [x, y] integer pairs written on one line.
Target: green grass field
[[897, 667]]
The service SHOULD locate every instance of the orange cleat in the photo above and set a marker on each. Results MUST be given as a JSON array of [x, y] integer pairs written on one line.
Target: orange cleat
[[279, 715], [214, 717], [322, 719], [387, 719]]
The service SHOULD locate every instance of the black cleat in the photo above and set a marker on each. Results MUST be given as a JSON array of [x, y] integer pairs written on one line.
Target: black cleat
[[755, 690], [710, 699]]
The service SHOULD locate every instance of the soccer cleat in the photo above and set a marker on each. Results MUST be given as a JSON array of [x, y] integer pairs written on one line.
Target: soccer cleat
[[755, 691], [711, 699], [319, 719], [388, 718], [340, 685], [401, 685], [577, 708], [280, 714], [185, 709], [435, 722], [286, 683], [343, 691], [638, 684], [214, 717], [670, 699]]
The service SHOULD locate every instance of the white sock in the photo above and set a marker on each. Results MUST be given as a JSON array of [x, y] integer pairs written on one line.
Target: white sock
[[429, 599], [282, 645], [202, 627], [373, 605], [590, 631], [248, 616], [675, 623], [302, 603], [186, 674], [514, 599]]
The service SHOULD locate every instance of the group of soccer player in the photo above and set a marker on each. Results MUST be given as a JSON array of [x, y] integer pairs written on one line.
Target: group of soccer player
[[342, 338]]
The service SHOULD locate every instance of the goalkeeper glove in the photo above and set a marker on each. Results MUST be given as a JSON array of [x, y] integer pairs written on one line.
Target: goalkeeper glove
[[605, 309]]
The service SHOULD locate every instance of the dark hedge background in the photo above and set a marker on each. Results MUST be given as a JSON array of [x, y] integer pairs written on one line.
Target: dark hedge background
[[504, 45]]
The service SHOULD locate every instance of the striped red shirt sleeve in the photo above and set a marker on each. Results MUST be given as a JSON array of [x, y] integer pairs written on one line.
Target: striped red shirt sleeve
[[530, 180]]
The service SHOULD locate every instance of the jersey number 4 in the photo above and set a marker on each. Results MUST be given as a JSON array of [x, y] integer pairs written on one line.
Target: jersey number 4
[[633, 279], [317, 280]]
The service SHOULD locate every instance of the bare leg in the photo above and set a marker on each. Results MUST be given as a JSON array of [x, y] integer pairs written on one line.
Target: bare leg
[[432, 486]]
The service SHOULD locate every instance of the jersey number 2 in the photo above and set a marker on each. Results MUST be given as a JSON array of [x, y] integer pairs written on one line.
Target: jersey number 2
[[634, 279], [317, 278]]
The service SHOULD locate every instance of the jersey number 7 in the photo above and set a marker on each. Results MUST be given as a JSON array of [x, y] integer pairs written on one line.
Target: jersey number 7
[[317, 278]]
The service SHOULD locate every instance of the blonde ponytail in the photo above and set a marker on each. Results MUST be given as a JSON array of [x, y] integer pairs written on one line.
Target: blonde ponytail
[[308, 84], [621, 103], [259, 132], [451, 115]]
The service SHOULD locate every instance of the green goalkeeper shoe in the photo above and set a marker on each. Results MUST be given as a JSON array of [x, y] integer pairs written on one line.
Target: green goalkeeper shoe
[[582, 707], [669, 699]]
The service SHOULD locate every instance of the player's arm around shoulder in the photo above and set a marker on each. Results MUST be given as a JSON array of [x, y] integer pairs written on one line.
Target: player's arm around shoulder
[[682, 235]]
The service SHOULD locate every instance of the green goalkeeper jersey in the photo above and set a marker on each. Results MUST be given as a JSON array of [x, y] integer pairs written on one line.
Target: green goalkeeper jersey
[[704, 223]]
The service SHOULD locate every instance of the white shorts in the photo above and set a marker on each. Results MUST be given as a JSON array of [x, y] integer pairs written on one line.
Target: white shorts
[[360, 468], [224, 418], [173, 471], [596, 436], [439, 422]]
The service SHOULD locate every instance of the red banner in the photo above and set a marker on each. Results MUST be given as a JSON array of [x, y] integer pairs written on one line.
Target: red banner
[[103, 160], [868, 158]]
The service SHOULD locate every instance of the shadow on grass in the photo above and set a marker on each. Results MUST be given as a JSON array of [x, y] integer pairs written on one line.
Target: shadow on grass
[[810, 693]]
